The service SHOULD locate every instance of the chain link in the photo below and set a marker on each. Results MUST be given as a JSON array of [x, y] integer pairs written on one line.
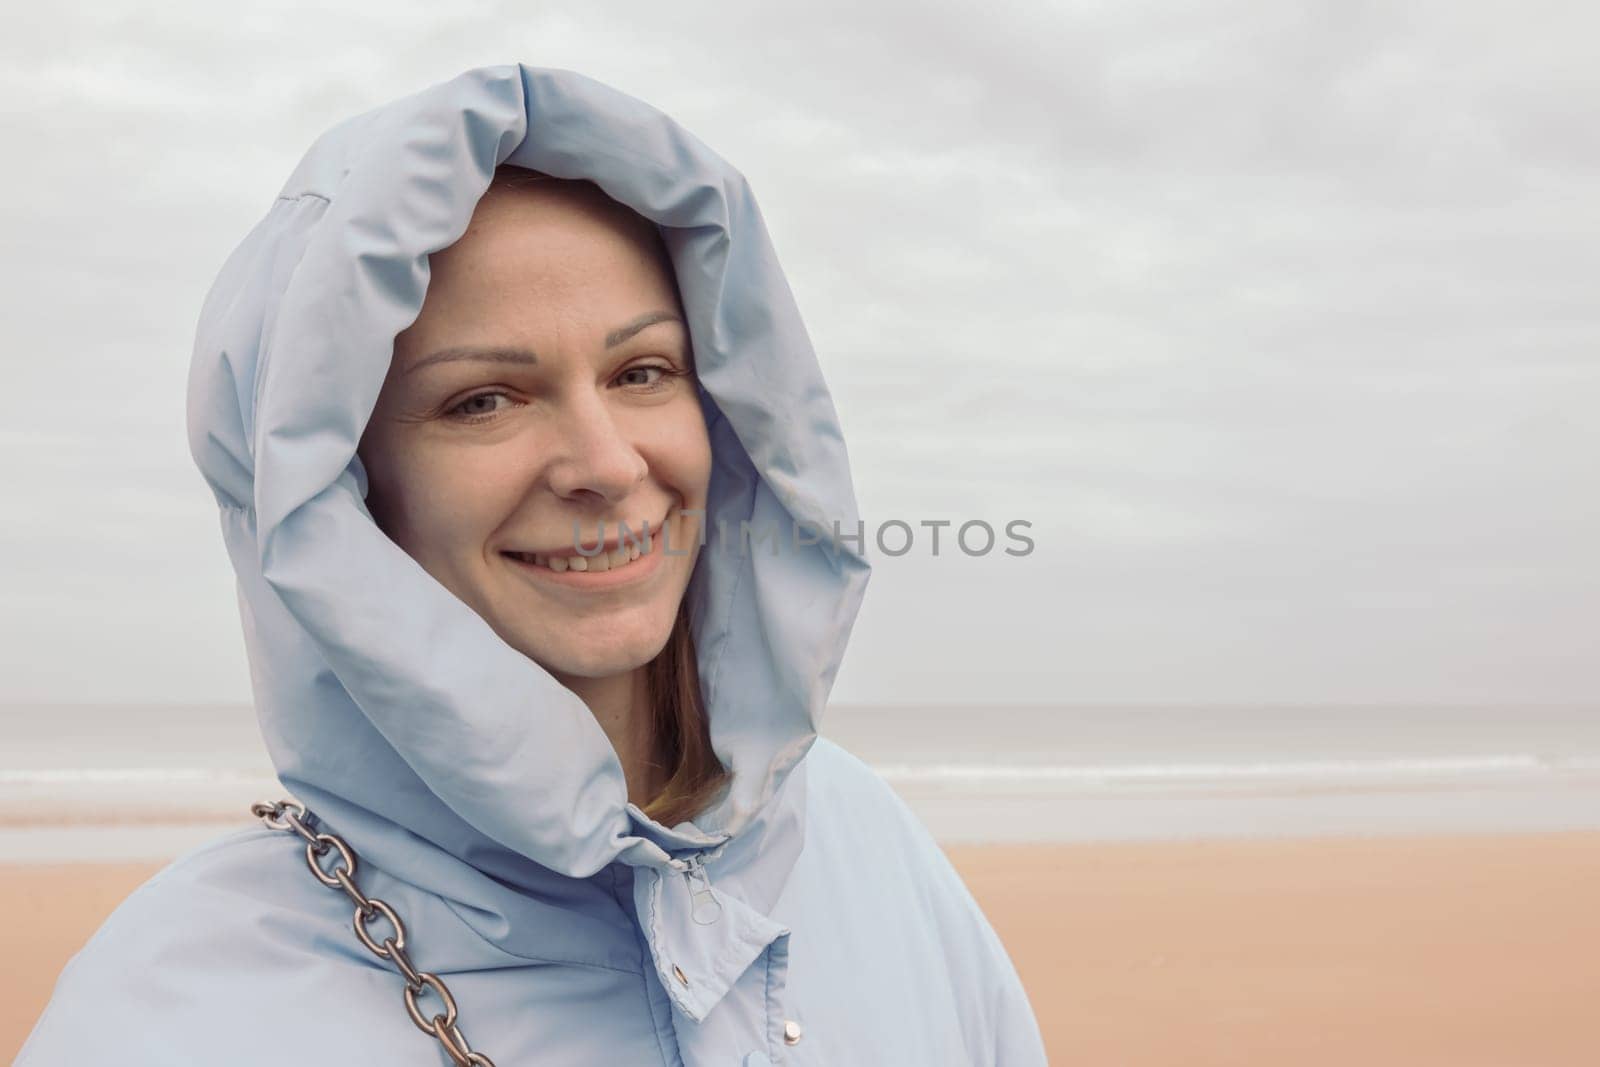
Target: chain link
[[289, 816]]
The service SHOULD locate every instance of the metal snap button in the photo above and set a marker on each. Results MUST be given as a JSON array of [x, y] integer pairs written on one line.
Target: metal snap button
[[791, 1032]]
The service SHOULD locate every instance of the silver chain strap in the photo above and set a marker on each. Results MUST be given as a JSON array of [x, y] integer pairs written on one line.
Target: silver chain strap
[[287, 815]]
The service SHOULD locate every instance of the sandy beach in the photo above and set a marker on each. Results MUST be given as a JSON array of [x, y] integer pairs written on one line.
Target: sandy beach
[[1472, 951]]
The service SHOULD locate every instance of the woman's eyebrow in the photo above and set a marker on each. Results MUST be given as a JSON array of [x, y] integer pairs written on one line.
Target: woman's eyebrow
[[479, 353], [649, 318], [512, 354]]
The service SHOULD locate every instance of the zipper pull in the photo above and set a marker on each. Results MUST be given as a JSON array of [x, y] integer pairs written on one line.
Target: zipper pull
[[707, 908]]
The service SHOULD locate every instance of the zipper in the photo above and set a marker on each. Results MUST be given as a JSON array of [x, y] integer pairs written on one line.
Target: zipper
[[707, 909]]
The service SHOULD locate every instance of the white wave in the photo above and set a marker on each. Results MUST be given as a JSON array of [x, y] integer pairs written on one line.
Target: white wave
[[129, 776], [974, 774], [951, 773]]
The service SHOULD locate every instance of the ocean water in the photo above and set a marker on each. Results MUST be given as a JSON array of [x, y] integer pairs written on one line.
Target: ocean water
[[100, 782]]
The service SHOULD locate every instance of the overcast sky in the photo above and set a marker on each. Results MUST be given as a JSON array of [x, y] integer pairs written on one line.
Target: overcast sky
[[1276, 320]]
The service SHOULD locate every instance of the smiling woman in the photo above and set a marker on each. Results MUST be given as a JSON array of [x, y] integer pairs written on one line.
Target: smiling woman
[[541, 404], [558, 790]]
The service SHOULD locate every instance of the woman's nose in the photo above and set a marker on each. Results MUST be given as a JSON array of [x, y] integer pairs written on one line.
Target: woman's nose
[[595, 456]]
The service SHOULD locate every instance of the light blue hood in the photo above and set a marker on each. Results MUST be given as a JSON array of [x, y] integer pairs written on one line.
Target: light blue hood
[[388, 705]]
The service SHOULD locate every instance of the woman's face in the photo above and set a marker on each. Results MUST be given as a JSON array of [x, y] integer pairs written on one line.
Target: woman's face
[[547, 383]]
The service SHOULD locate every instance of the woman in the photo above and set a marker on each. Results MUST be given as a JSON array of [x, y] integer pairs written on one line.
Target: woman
[[578, 801]]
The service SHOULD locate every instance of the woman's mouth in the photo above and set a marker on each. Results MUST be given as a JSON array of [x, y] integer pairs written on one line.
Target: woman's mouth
[[626, 564], [612, 560]]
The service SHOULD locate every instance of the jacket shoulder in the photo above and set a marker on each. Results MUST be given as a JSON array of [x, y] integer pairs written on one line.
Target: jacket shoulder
[[850, 804], [857, 822], [215, 951]]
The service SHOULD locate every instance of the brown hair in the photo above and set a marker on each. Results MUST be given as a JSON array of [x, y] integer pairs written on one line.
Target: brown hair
[[679, 722], [682, 730]]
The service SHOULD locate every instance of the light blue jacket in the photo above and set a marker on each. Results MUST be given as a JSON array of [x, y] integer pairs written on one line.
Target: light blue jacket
[[483, 800]]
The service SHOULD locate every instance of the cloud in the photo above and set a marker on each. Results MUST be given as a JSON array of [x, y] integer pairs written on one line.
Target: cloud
[[1276, 320]]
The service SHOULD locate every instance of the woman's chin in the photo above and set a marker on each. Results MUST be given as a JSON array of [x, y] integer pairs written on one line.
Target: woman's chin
[[605, 657]]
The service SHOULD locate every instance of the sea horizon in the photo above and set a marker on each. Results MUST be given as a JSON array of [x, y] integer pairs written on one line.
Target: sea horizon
[[159, 778]]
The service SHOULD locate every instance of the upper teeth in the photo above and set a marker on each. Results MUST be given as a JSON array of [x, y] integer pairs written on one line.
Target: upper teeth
[[604, 561]]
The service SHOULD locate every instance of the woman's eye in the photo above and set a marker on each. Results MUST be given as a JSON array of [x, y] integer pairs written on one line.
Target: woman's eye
[[486, 406], [662, 377], [475, 408], [642, 370]]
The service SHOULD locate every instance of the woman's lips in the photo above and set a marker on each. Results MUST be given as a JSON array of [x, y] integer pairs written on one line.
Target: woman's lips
[[612, 559], [638, 564]]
